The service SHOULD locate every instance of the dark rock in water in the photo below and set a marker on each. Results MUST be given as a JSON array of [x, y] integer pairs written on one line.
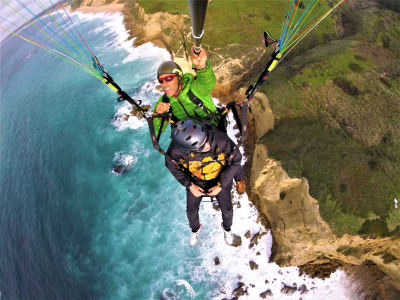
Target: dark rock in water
[[258, 253], [248, 234], [266, 281], [303, 289], [257, 236], [252, 285], [215, 206], [237, 241], [253, 265], [267, 293], [251, 245], [216, 260], [135, 112], [280, 272], [287, 289], [241, 290], [119, 169]]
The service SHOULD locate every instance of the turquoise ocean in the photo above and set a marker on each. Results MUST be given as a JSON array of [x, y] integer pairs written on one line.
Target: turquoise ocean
[[70, 228]]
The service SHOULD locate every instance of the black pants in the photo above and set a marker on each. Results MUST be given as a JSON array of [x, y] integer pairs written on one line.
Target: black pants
[[239, 174], [224, 201]]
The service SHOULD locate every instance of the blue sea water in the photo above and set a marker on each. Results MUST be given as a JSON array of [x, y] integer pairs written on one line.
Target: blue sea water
[[72, 229]]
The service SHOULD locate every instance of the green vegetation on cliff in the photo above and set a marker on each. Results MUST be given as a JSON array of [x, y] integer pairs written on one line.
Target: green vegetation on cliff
[[338, 108], [237, 21]]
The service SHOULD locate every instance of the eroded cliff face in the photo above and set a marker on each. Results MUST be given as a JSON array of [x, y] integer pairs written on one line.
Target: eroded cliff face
[[301, 237]]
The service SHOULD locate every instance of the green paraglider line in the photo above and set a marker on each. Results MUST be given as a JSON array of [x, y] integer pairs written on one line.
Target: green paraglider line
[[40, 30], [307, 30], [303, 18], [87, 46], [83, 55]]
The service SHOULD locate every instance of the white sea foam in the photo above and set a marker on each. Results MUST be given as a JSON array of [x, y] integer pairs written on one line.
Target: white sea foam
[[127, 160], [187, 286], [145, 51], [124, 120], [115, 22], [235, 267]]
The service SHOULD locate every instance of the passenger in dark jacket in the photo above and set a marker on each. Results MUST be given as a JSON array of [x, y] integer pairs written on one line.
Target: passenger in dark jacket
[[205, 161]]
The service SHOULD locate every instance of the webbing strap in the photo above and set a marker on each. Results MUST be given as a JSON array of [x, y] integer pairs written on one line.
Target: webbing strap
[[153, 136], [199, 103]]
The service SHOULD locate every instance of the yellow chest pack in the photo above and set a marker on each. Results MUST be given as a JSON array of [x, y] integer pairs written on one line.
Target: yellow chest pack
[[207, 168]]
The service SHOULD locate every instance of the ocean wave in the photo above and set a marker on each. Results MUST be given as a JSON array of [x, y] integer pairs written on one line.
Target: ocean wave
[[187, 286], [120, 38], [123, 119], [147, 50]]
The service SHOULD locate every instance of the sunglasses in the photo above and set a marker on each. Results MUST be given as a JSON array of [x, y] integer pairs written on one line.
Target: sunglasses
[[169, 78]]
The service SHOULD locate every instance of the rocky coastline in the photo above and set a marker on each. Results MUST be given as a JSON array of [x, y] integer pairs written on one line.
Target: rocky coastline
[[301, 237]]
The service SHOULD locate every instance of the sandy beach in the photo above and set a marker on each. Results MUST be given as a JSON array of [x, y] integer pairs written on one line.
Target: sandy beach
[[97, 6]]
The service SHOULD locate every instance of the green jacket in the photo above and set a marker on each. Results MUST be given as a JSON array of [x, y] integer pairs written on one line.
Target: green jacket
[[201, 87]]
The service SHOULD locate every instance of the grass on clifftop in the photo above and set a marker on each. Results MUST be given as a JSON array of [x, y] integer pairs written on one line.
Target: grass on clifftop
[[338, 108], [236, 21]]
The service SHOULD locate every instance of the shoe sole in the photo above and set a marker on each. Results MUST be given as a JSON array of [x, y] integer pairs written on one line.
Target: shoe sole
[[233, 237], [197, 239]]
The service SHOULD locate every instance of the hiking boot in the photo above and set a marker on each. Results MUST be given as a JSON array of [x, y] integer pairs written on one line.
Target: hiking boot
[[241, 186], [228, 236], [194, 237]]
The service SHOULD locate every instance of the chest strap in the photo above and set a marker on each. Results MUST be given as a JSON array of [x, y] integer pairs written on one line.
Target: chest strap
[[199, 103]]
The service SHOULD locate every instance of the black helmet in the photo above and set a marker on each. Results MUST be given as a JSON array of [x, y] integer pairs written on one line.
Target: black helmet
[[169, 67], [189, 135]]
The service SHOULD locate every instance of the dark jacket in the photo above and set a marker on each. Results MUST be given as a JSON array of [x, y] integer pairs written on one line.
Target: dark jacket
[[220, 144]]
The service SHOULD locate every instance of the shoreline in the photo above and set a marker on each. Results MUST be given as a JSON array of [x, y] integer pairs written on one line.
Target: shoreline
[[108, 8], [113, 8]]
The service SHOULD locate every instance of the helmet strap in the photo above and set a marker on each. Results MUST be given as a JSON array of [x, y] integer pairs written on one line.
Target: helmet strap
[[179, 88]]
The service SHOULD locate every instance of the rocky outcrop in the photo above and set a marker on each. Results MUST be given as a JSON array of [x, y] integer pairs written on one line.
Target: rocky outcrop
[[162, 29], [301, 237]]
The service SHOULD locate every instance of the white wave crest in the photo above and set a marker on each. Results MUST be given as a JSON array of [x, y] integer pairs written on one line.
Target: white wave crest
[[187, 286], [144, 51], [123, 119]]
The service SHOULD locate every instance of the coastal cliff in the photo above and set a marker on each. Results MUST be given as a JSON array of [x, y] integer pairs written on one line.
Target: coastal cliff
[[301, 235]]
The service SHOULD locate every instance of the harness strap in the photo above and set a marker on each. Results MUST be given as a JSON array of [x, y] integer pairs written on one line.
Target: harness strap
[[199, 103], [168, 116]]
